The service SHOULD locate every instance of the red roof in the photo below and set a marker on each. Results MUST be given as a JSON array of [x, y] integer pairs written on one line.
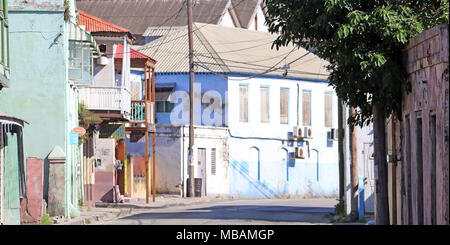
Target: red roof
[[133, 54], [95, 24]]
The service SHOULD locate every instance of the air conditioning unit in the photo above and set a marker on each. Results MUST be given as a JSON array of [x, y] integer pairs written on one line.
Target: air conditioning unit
[[300, 152], [291, 156], [298, 132], [102, 60], [333, 134], [308, 132]]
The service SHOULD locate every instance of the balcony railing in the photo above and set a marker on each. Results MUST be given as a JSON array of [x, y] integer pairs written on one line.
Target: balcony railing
[[107, 99], [137, 111]]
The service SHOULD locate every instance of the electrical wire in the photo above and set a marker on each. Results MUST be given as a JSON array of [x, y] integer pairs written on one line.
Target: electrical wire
[[156, 51], [148, 47], [201, 64]]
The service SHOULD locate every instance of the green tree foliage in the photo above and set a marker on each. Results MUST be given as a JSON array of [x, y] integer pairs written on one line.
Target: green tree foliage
[[361, 39]]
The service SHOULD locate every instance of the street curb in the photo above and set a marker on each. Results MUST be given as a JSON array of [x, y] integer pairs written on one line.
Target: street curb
[[128, 208], [81, 220]]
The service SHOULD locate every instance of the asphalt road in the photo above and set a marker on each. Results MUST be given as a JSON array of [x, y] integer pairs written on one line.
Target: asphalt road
[[237, 212]]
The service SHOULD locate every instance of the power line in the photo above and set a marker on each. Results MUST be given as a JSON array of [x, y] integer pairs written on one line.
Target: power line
[[158, 27], [266, 71], [271, 69], [156, 51]]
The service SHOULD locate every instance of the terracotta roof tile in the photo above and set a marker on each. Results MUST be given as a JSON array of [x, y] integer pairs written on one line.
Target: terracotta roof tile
[[133, 54], [94, 24]]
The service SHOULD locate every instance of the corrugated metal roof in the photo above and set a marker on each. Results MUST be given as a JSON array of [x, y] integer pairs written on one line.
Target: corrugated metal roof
[[6, 118], [171, 51], [77, 34], [94, 24], [138, 15], [222, 49], [245, 10]]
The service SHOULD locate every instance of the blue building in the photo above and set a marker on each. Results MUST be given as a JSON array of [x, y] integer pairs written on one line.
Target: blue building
[[265, 119]]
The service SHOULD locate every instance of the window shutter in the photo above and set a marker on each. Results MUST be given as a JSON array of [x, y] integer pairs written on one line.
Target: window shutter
[[328, 115], [284, 105], [264, 91], [243, 103], [213, 161], [307, 108]]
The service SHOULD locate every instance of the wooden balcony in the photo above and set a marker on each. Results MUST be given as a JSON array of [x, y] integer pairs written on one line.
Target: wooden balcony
[[138, 113]]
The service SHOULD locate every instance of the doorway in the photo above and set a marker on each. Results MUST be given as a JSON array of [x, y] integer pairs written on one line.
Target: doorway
[[201, 169]]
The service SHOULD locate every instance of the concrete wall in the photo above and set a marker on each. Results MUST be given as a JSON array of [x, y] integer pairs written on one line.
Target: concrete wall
[[172, 152], [33, 204], [104, 150], [426, 61], [253, 140], [38, 66], [104, 76], [39, 89]]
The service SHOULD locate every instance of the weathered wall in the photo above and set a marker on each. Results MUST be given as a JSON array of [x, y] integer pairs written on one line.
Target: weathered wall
[[253, 140], [37, 89], [104, 172], [104, 75], [171, 157], [31, 212], [426, 60]]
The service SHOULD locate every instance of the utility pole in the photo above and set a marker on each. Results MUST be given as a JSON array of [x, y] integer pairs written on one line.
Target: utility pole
[[341, 150], [147, 167], [154, 136], [354, 170], [191, 108]]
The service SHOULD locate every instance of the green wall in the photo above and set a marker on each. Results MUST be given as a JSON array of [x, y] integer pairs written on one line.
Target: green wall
[[37, 86]]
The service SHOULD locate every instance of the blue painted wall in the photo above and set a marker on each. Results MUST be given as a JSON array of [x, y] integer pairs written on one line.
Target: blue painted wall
[[204, 82], [259, 165], [258, 152]]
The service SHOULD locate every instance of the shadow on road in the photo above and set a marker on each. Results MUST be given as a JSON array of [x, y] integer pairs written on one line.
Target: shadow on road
[[242, 212]]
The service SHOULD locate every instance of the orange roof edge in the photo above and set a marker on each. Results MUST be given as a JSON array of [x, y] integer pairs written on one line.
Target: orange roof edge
[[134, 54], [94, 24]]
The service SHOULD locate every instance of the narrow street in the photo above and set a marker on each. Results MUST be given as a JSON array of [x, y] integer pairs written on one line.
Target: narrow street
[[238, 212]]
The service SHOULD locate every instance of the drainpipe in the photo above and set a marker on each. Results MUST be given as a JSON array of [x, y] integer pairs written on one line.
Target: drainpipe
[[67, 136], [182, 173], [317, 166]]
